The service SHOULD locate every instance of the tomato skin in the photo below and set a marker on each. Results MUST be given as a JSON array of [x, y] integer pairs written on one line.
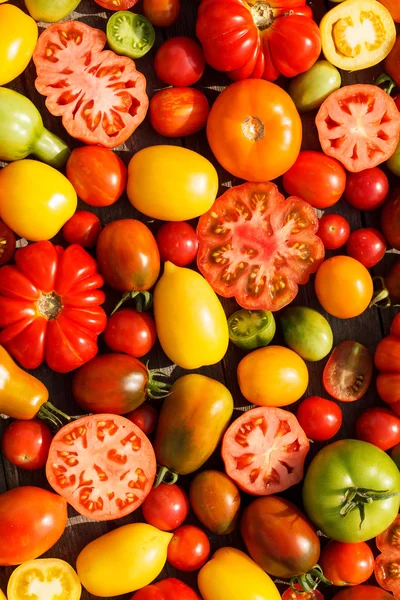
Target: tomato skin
[[321, 419], [177, 242], [189, 549], [290, 594], [347, 564], [348, 372], [387, 360], [7, 244], [379, 426], [50, 12], [367, 189], [26, 444], [82, 228], [162, 13], [166, 507], [131, 332], [392, 62], [145, 417], [308, 90], [179, 111], [18, 35], [307, 332], [116, 4], [368, 246], [390, 221], [393, 7], [363, 592], [179, 61], [167, 589], [334, 231]]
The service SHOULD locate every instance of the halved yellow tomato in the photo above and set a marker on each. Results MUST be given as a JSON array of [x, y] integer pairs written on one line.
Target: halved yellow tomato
[[357, 34], [45, 578]]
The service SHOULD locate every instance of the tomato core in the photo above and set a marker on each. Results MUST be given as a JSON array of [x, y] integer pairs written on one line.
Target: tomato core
[[253, 129], [263, 15], [348, 39], [49, 305]]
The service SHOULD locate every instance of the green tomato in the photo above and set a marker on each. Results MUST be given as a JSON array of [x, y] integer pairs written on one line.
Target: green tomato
[[347, 480], [394, 162], [251, 329], [310, 89], [395, 454], [50, 11], [307, 332], [130, 34]]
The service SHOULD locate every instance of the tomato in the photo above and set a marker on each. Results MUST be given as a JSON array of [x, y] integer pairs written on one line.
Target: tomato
[[393, 164], [35, 199], [98, 175], [347, 564], [18, 35], [348, 372], [334, 231], [387, 360], [290, 594], [131, 332], [390, 221], [308, 90], [389, 539], [359, 125], [367, 189], [166, 589], [256, 433], [189, 549], [242, 233], [254, 130], [321, 419], [116, 4], [82, 228], [26, 444], [347, 491], [7, 243], [393, 7], [316, 178], [343, 273], [32, 520], [162, 13], [251, 329], [287, 376], [368, 246], [379, 426], [185, 187], [50, 11], [306, 332], [387, 563], [166, 507], [145, 417], [363, 592], [395, 455], [100, 96], [259, 39], [177, 242], [130, 34], [179, 111], [123, 560], [190, 321], [392, 62], [52, 578], [179, 61], [215, 500]]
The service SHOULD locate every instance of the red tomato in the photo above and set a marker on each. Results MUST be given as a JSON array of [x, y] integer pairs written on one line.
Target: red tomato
[[145, 417], [290, 594], [32, 520], [189, 549], [316, 178], [390, 222], [393, 7], [83, 228], [254, 434], [387, 563], [179, 111], [387, 360], [321, 419], [362, 592], [100, 96], [103, 465], [348, 372], [367, 189], [131, 332], [177, 242], [396, 98], [26, 444], [7, 243], [162, 13], [166, 507], [395, 326], [241, 234], [116, 4], [347, 564], [379, 426], [368, 246], [334, 231], [167, 589], [390, 538], [359, 125], [98, 175], [179, 61]]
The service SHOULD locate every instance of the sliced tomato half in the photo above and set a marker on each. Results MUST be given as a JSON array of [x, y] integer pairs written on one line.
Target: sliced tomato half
[[103, 465], [264, 451], [257, 246], [390, 538], [348, 372], [100, 96], [387, 571]]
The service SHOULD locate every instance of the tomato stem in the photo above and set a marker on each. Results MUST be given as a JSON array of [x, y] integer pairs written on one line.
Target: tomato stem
[[263, 15], [53, 416], [381, 298], [386, 83], [166, 476], [357, 498], [143, 299], [156, 389], [307, 582]]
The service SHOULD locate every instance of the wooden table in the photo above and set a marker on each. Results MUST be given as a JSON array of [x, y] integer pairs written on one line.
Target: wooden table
[[367, 329]]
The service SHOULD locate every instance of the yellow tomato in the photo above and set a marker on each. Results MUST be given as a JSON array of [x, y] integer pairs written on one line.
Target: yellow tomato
[[191, 323], [18, 36], [171, 183], [45, 578], [123, 560], [272, 376], [232, 575], [2, 596], [357, 34], [35, 199]]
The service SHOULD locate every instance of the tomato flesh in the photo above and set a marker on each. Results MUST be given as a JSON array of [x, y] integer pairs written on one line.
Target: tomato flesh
[[348, 372], [46, 578]]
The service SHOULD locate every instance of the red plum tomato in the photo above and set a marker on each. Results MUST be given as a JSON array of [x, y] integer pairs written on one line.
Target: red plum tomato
[[131, 332], [162, 13], [145, 417], [177, 242], [166, 507], [321, 419], [26, 444], [334, 231], [379, 426], [189, 549], [180, 61], [368, 246], [347, 564], [82, 228], [366, 190]]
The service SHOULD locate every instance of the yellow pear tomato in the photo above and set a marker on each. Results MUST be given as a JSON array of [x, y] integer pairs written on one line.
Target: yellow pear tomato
[[191, 323], [18, 37], [232, 575], [35, 199], [47, 578]]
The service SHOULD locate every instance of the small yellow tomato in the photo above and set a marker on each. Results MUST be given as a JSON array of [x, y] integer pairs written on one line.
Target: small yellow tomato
[[232, 575], [123, 560], [2, 596], [18, 37], [191, 323], [47, 578], [272, 376], [171, 183], [35, 199]]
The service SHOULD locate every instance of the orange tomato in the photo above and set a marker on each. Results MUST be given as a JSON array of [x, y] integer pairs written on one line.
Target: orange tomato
[[393, 7]]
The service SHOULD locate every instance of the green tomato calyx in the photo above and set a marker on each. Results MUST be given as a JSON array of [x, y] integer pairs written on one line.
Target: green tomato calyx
[[143, 300], [357, 498], [156, 389], [307, 582], [381, 297], [166, 476], [386, 83]]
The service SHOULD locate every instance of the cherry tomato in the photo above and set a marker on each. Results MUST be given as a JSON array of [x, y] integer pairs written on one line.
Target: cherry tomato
[[178, 111], [162, 13], [83, 228], [348, 372], [7, 243], [368, 246], [347, 564], [290, 594], [366, 190], [131, 332], [145, 417], [177, 242], [179, 61], [189, 549], [379, 426], [321, 419], [334, 231], [26, 444], [166, 507]]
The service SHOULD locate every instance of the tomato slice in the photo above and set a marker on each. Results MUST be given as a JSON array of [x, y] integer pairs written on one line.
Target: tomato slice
[[359, 125], [264, 451], [348, 372], [116, 4], [130, 34], [7, 243], [290, 594], [390, 538], [103, 465], [387, 571], [45, 578], [250, 329], [100, 96], [257, 246]]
